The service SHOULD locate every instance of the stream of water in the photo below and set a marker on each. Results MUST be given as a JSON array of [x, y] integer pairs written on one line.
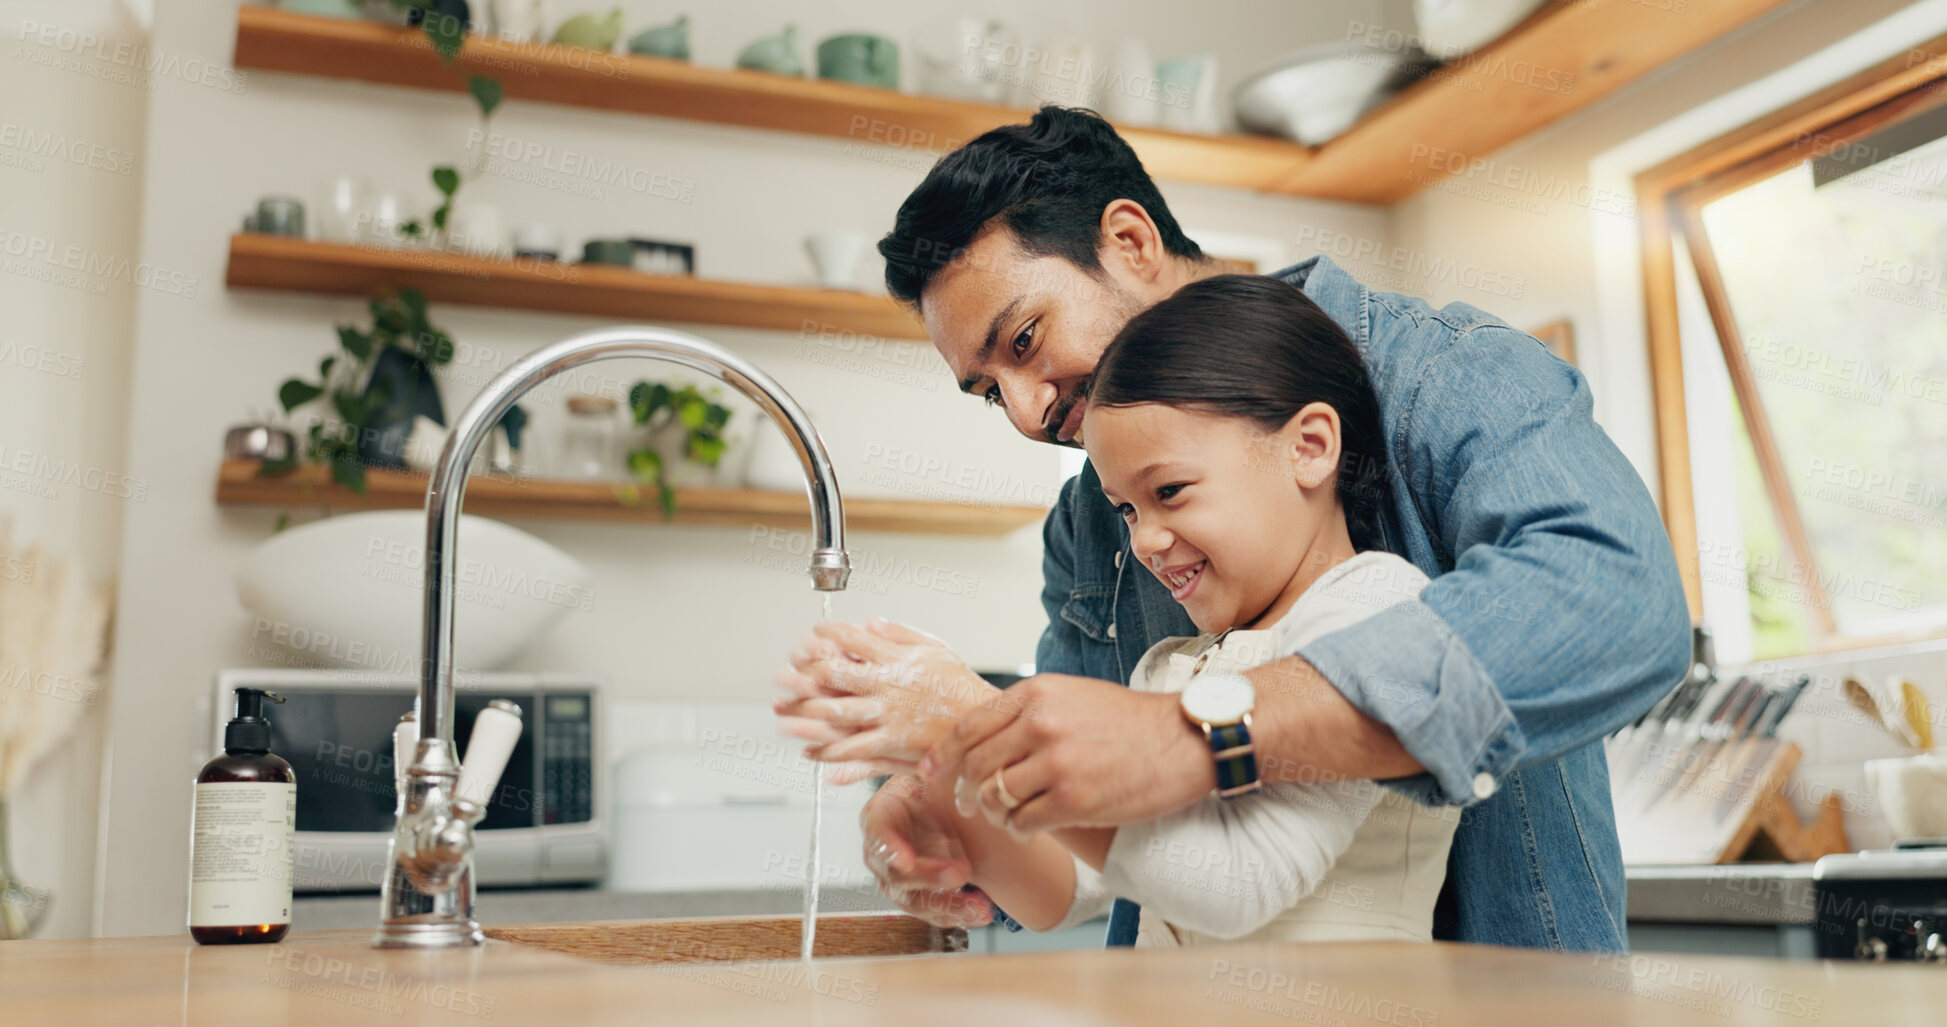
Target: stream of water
[[811, 861]]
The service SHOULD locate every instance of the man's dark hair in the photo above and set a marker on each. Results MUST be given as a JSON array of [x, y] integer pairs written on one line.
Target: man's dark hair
[[1047, 181], [1255, 347]]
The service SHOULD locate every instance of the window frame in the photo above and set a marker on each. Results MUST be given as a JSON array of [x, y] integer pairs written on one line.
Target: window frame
[[1670, 199]]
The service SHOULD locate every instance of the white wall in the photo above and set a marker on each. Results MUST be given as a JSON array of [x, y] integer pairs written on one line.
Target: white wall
[[70, 181], [681, 612]]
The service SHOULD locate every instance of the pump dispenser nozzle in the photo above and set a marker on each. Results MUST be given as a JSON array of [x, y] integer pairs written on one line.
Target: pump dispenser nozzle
[[250, 732]]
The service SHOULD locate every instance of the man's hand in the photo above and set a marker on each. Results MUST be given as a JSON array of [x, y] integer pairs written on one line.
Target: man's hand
[[918, 859], [1076, 752]]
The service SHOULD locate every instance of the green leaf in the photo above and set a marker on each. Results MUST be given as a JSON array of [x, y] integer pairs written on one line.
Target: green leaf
[[668, 497], [706, 450], [390, 318], [436, 347], [487, 91], [325, 365], [445, 32], [646, 399], [357, 343], [692, 413], [411, 229], [439, 216], [283, 521], [647, 466], [447, 179], [350, 410], [347, 471], [294, 393], [719, 415], [415, 303]]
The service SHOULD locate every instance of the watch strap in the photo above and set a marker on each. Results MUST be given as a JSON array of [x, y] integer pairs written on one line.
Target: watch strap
[[1236, 756]]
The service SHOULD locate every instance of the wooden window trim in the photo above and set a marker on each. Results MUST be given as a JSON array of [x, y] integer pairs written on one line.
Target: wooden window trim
[[1845, 111]]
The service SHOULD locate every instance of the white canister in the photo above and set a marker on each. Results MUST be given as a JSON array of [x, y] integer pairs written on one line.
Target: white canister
[[1912, 793], [1131, 93]]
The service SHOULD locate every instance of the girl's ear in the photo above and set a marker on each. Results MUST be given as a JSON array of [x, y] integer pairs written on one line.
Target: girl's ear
[[1312, 439]]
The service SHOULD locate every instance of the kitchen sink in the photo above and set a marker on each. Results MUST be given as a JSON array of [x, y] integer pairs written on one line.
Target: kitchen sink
[[735, 939]]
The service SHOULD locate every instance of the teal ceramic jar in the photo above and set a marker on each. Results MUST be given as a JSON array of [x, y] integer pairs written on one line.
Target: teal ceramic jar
[[860, 58]]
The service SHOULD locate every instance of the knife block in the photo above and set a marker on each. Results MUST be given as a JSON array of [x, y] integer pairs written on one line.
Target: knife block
[[1728, 808]]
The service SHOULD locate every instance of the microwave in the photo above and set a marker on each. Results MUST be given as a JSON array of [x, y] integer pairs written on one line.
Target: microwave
[[546, 824]]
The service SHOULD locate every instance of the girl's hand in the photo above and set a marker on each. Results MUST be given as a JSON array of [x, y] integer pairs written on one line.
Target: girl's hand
[[915, 851], [883, 693]]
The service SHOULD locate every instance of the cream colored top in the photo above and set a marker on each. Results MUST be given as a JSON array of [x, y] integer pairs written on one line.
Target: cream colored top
[[1334, 860]]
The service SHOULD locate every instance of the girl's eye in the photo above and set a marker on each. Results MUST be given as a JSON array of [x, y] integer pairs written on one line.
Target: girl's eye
[[993, 396], [1023, 340], [1169, 492], [1126, 510]]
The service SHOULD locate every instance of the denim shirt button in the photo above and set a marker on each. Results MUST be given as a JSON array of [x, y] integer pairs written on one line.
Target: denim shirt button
[[1112, 635], [1483, 782]]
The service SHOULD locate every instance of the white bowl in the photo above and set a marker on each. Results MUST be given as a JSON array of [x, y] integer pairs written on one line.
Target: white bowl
[[1450, 28], [347, 591], [1316, 94]]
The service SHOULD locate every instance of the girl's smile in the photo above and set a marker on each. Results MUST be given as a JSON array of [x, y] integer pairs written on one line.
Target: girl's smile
[[1236, 520]]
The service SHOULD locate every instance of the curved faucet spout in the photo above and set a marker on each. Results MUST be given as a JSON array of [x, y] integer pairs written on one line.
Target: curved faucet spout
[[428, 894], [830, 568]]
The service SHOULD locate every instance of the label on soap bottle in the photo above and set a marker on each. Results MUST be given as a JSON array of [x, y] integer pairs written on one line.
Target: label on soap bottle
[[241, 854]]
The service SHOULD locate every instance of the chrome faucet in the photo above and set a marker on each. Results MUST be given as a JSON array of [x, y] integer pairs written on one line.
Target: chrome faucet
[[427, 901]]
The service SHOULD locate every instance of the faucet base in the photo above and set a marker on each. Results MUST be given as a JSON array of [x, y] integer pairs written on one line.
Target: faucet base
[[429, 931]]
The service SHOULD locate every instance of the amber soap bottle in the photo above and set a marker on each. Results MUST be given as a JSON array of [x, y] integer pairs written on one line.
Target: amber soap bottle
[[240, 854]]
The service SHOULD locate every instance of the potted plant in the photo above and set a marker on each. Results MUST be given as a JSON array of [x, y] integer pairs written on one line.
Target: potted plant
[[685, 428], [380, 380]]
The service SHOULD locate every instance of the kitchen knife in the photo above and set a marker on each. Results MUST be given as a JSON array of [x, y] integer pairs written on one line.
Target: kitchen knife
[[1737, 762], [1733, 702], [1738, 721], [1645, 744], [1759, 757], [1657, 750]]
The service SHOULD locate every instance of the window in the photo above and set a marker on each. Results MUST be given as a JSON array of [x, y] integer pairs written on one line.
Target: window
[[1797, 283]]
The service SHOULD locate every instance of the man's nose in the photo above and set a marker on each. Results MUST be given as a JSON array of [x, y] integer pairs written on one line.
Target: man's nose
[[1027, 404]]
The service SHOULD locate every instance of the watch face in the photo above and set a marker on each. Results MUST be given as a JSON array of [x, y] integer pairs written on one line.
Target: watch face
[[1219, 698]]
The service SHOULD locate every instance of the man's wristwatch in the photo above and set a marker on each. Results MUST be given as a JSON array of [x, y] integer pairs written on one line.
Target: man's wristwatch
[[1221, 705]]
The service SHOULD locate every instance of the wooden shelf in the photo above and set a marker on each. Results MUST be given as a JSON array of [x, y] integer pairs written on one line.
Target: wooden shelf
[[1560, 60], [279, 262], [239, 484], [1565, 57], [270, 39]]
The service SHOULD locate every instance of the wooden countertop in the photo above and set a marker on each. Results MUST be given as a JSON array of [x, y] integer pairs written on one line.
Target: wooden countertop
[[332, 977]]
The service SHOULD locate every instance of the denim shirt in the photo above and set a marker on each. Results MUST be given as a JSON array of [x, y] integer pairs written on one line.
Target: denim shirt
[[1555, 614]]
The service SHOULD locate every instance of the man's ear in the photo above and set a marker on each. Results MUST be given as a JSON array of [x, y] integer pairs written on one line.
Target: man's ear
[[1131, 245], [1312, 439]]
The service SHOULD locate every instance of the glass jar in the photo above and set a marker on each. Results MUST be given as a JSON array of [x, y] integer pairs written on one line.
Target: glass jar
[[589, 440]]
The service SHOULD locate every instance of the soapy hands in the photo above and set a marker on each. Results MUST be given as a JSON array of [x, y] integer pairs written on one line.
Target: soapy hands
[[875, 698], [914, 849]]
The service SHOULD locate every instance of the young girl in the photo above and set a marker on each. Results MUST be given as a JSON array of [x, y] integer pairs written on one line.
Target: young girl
[[1235, 429]]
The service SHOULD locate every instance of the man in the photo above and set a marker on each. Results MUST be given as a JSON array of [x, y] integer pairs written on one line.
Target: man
[[1555, 615]]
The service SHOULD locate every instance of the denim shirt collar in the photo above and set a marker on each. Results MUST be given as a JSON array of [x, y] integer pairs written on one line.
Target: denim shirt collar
[[1336, 292]]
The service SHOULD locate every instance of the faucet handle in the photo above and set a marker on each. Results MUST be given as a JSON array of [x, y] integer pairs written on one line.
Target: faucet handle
[[495, 731], [405, 748]]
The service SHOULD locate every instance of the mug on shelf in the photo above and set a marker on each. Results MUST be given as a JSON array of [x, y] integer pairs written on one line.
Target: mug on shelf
[[860, 58], [280, 215]]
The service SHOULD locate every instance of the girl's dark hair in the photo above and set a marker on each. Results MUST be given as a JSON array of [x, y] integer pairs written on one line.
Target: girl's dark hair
[[1255, 347], [1047, 181]]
